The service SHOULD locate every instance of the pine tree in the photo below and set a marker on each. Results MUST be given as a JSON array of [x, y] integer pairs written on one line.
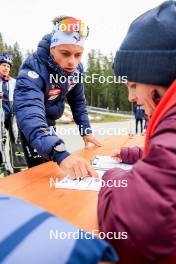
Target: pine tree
[[104, 94], [17, 60], [15, 53]]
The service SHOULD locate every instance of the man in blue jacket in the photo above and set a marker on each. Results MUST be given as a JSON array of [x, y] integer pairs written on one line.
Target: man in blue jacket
[[139, 116], [7, 84], [46, 79]]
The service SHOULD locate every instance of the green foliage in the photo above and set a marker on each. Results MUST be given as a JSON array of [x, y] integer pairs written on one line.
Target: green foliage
[[107, 117], [102, 93], [16, 54]]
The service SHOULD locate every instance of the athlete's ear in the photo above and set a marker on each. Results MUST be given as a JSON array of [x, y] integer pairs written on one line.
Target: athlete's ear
[[51, 50], [155, 96]]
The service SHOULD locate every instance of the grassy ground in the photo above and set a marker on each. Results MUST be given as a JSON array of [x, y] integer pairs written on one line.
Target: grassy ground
[[108, 118]]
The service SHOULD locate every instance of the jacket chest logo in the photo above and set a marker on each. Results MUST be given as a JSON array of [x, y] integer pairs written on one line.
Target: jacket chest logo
[[54, 92]]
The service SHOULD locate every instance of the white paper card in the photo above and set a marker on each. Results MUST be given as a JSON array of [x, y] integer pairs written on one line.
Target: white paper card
[[101, 164], [107, 163]]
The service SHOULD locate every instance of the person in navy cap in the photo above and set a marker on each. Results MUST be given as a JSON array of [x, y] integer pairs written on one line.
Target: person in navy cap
[[146, 208]]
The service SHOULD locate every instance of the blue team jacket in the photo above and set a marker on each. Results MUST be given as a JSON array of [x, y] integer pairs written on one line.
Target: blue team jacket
[[37, 101]]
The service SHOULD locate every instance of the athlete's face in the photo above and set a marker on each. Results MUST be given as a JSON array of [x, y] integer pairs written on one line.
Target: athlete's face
[[4, 69], [67, 56]]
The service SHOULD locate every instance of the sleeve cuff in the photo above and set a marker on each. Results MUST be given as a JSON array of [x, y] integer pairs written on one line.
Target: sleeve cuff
[[60, 156], [85, 131]]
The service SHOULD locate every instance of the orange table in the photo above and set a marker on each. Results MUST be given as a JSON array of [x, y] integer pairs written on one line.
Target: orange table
[[76, 206]]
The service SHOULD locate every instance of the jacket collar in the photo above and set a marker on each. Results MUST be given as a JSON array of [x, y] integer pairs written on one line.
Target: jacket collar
[[5, 78], [165, 104]]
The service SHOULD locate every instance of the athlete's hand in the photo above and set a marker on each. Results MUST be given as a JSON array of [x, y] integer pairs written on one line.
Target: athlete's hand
[[91, 139], [77, 167]]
